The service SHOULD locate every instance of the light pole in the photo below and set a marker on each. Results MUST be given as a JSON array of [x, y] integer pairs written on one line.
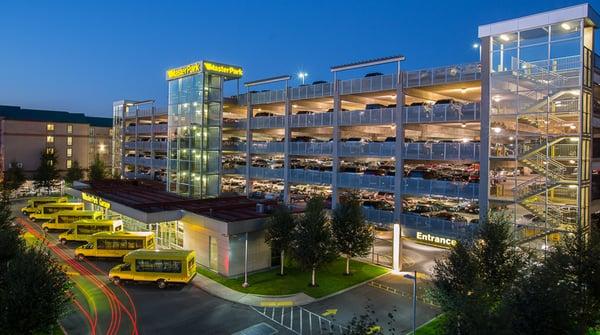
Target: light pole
[[302, 75], [245, 284], [414, 279]]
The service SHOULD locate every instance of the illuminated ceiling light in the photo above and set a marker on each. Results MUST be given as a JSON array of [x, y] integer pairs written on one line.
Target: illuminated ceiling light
[[566, 26], [574, 92], [195, 103], [572, 126], [572, 186], [464, 125], [295, 106], [504, 37], [463, 90], [497, 130], [511, 138], [571, 161], [496, 98], [466, 140], [574, 139]]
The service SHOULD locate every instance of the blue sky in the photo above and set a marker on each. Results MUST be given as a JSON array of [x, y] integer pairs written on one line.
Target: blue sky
[[79, 56]]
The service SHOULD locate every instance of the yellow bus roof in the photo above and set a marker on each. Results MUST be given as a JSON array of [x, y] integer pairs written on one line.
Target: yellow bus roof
[[62, 204], [123, 234], [159, 254], [98, 222], [47, 198], [77, 213]]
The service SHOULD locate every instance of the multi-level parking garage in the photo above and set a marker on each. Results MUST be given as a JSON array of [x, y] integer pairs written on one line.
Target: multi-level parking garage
[[433, 149], [141, 140]]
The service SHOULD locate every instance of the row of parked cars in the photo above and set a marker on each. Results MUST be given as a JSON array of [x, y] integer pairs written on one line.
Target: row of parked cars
[[426, 105], [378, 139]]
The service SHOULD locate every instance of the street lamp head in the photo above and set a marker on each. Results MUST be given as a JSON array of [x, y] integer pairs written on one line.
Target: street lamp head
[[475, 45], [302, 75]]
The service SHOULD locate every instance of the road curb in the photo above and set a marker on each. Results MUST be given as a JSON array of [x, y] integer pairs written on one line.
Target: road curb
[[258, 300]]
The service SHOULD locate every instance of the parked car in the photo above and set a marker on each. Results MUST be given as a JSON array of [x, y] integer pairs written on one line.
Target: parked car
[[305, 112], [374, 106], [262, 114], [317, 82]]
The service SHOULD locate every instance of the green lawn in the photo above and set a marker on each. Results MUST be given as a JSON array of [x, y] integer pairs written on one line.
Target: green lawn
[[330, 279], [431, 328]]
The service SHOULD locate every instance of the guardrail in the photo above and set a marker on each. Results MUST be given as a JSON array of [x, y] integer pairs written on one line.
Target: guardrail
[[265, 173], [436, 226], [378, 216], [310, 148], [443, 75], [367, 149], [369, 116], [310, 176], [147, 129], [442, 151], [233, 146], [417, 186], [146, 145], [443, 113], [262, 122], [360, 181], [311, 120], [266, 147]]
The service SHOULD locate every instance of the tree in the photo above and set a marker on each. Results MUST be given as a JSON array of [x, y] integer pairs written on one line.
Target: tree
[[561, 295], [46, 175], [280, 231], [33, 302], [472, 281], [97, 170], [14, 177], [10, 239], [314, 244], [353, 236], [74, 173]]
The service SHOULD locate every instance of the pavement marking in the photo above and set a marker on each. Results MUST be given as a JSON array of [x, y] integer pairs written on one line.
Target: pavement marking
[[329, 312], [258, 329], [276, 303]]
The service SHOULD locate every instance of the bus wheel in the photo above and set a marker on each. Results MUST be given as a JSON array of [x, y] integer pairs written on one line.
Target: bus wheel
[[63, 241], [116, 280], [80, 257], [161, 283]]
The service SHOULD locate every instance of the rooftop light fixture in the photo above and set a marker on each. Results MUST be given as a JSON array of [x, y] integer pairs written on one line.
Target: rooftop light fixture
[[302, 75], [565, 26]]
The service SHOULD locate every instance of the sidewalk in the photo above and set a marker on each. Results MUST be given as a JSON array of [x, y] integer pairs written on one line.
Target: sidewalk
[[224, 292]]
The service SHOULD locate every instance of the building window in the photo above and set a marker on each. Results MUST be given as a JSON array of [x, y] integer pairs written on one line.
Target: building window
[[50, 127], [69, 152], [49, 151], [69, 163], [50, 139], [69, 140], [69, 129]]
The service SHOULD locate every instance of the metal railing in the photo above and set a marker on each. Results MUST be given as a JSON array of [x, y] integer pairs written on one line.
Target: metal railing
[[442, 151], [436, 226], [360, 181], [369, 116], [368, 84], [146, 145], [367, 149], [147, 129], [233, 146], [311, 120], [266, 147], [310, 148], [262, 122], [443, 75], [310, 176], [237, 123], [378, 216], [311, 91], [417, 186], [265, 173], [443, 113]]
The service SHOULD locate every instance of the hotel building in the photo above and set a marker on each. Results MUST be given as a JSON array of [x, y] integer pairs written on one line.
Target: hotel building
[[432, 149]]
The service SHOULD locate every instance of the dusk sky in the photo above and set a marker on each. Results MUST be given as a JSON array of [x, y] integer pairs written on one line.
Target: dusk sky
[[80, 56]]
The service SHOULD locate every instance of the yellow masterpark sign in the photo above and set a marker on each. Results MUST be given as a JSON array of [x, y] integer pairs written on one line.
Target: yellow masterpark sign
[[183, 71], [95, 200], [226, 70]]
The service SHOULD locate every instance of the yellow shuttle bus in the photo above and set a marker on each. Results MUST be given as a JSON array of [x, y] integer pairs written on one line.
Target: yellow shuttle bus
[[116, 244], [64, 220], [159, 266], [34, 203], [46, 212], [83, 230]]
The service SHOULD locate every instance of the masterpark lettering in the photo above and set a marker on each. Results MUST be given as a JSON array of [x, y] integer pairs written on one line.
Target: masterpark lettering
[[435, 239], [183, 71], [225, 69]]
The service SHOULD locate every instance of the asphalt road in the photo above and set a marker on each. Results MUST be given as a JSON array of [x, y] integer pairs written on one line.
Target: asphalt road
[[99, 307]]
